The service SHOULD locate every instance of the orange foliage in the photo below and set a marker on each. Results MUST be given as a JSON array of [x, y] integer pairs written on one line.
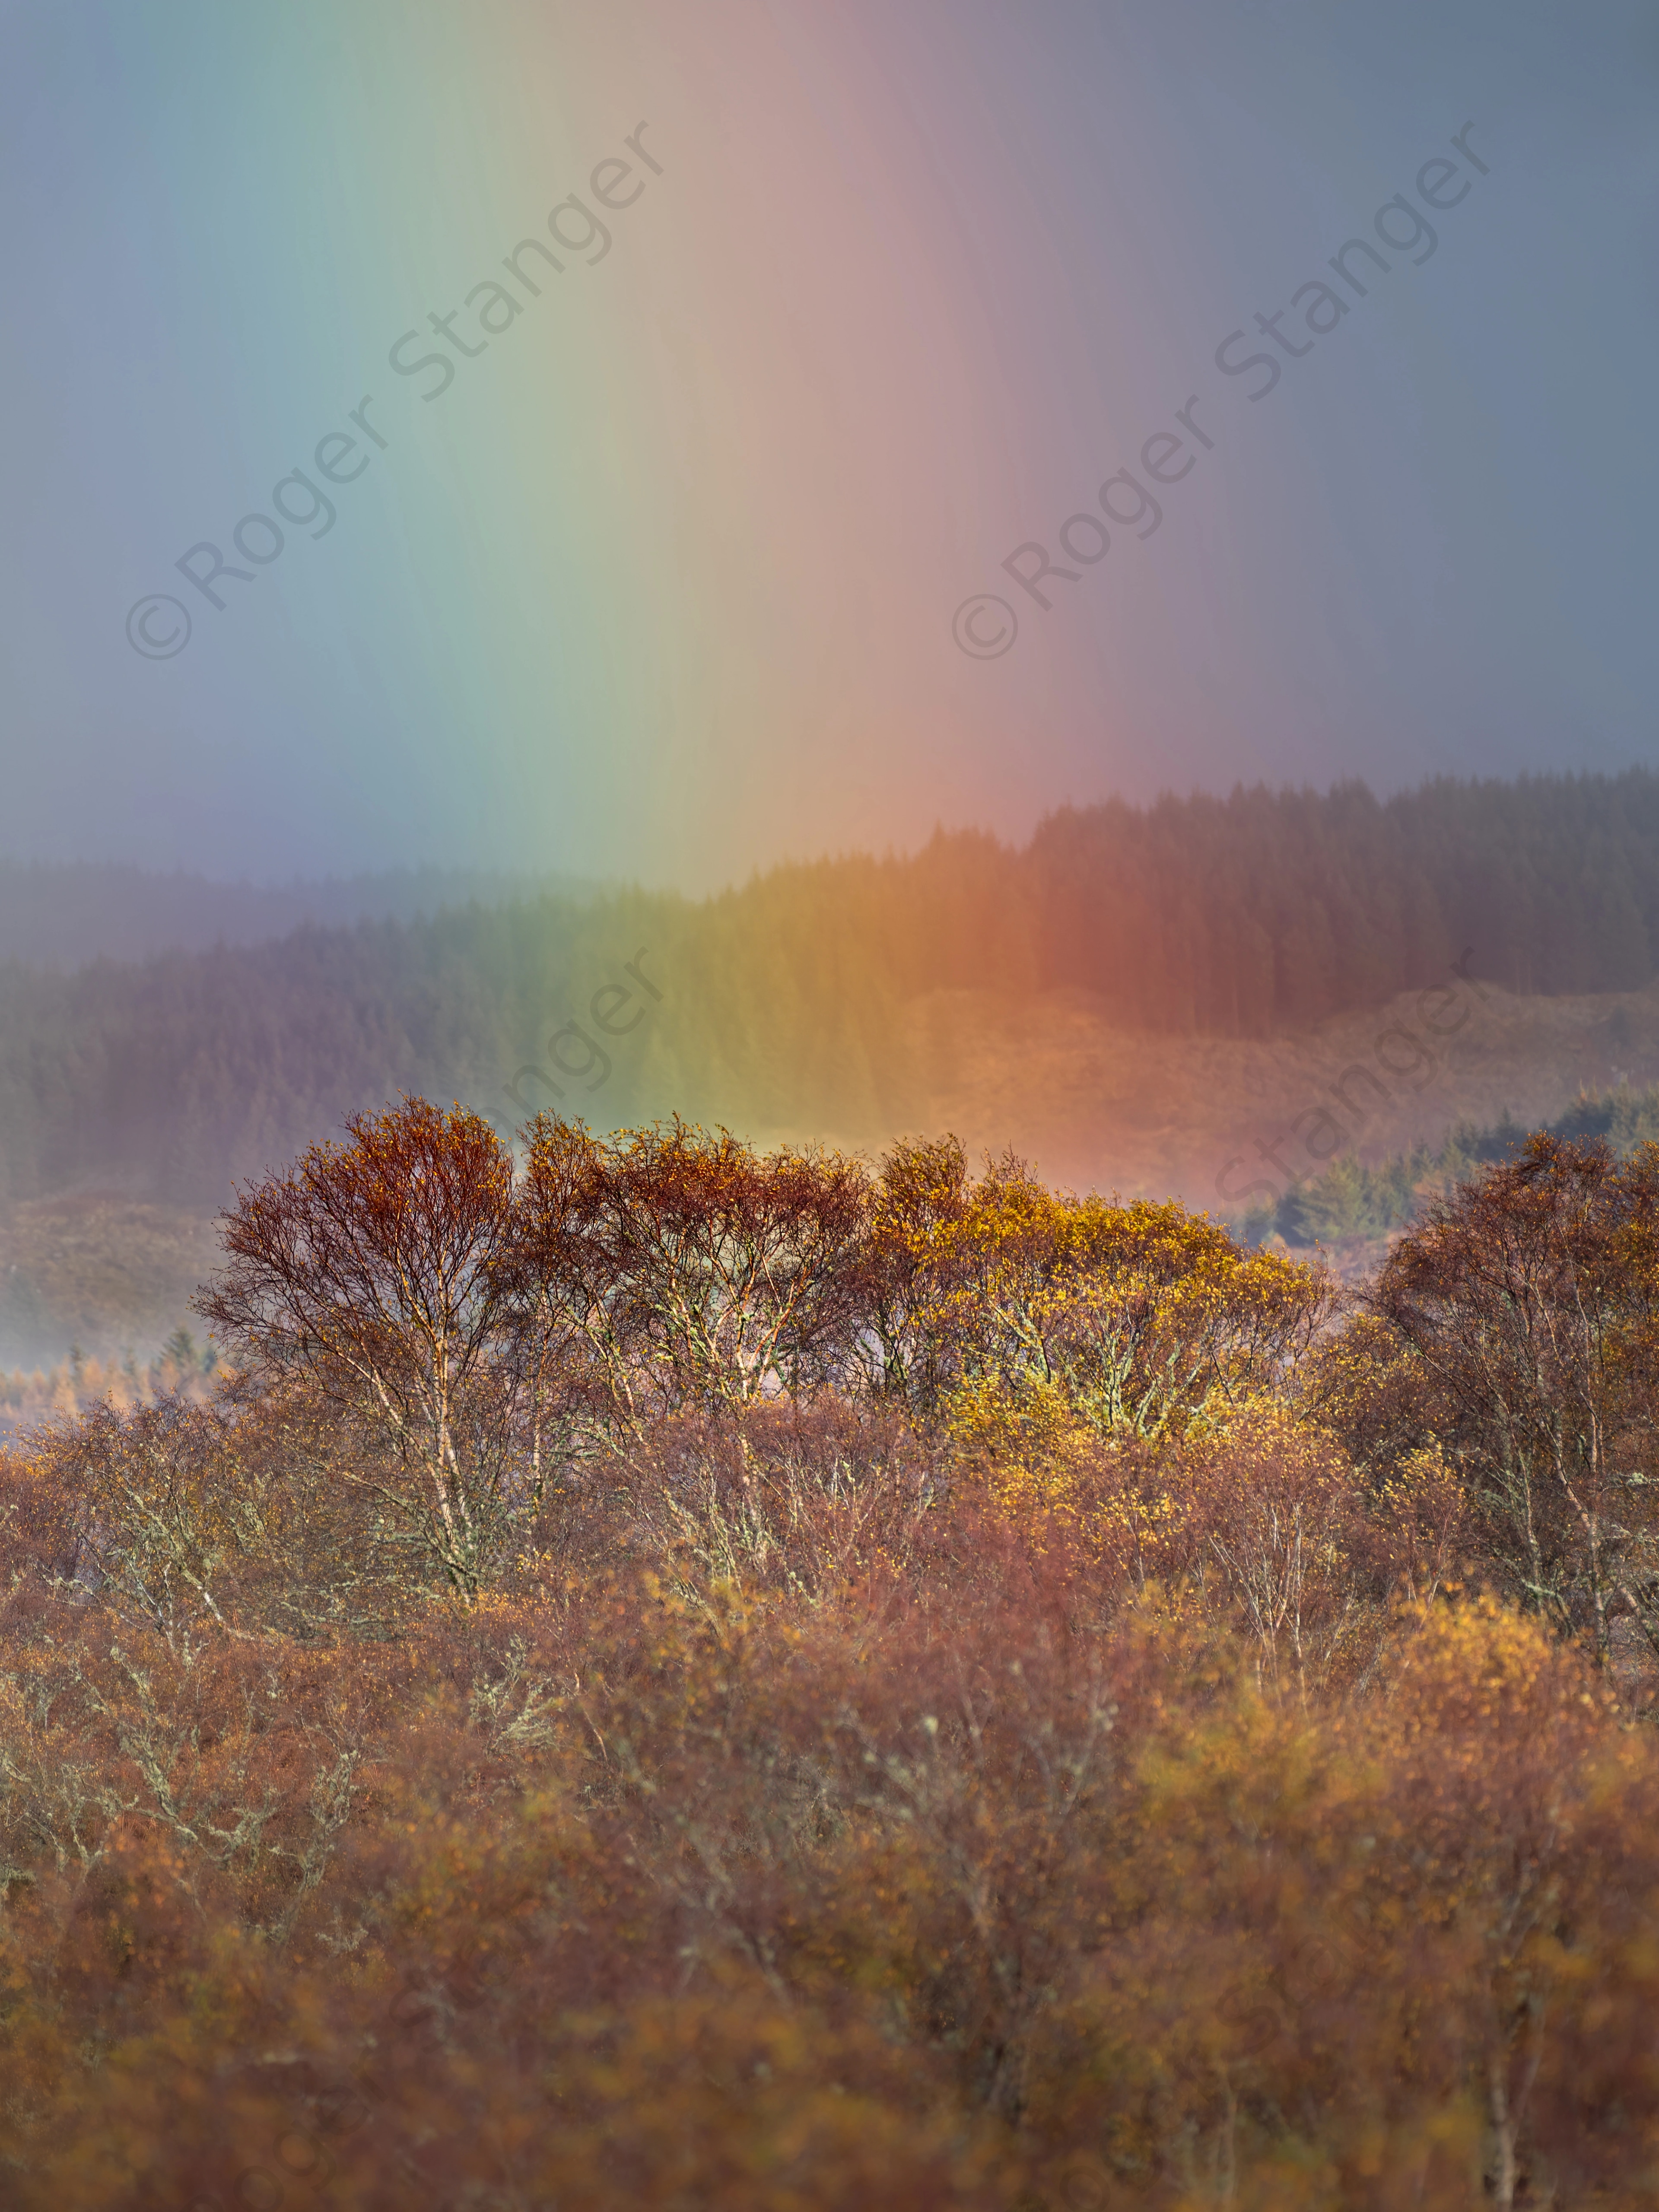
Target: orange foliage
[[1041, 1744]]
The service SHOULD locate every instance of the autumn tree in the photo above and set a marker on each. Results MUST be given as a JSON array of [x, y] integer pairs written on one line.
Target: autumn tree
[[564, 1331], [1528, 1304], [1052, 1313], [376, 1267], [688, 1268], [1278, 1508], [895, 1353]]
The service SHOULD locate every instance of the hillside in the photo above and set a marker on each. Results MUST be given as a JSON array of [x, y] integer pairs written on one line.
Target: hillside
[[1436, 959], [64, 913], [1104, 1107], [108, 1267], [828, 997], [96, 1271]]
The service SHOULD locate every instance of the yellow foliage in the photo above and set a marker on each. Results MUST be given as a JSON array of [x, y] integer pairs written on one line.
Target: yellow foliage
[[1130, 1319]]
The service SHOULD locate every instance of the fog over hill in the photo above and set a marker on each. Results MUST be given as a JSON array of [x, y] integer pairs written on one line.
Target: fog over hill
[[64, 913]]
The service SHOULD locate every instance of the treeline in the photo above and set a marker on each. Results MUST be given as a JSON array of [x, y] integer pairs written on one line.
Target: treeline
[[1238, 917], [192, 1070], [787, 1004], [1352, 1200], [63, 914], [78, 1382], [672, 1676]]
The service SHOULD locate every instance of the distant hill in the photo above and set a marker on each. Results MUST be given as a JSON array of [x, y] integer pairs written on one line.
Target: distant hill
[[851, 998], [65, 914], [97, 1273], [104, 1266]]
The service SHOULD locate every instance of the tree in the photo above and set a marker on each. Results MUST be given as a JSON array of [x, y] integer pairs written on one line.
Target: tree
[[687, 1269], [1281, 1510], [921, 1189], [1529, 1304], [377, 1266], [1127, 1319]]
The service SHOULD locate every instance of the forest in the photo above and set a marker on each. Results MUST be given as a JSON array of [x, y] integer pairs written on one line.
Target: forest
[[787, 1004], [660, 1674], [1351, 1198]]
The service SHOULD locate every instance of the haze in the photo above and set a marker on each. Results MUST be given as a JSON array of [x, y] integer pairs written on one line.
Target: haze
[[660, 585]]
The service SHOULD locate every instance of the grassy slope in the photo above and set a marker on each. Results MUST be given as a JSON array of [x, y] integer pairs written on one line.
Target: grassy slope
[[106, 1272], [1092, 1105]]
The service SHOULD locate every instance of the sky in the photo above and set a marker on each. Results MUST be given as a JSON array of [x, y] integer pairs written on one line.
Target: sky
[[724, 539]]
